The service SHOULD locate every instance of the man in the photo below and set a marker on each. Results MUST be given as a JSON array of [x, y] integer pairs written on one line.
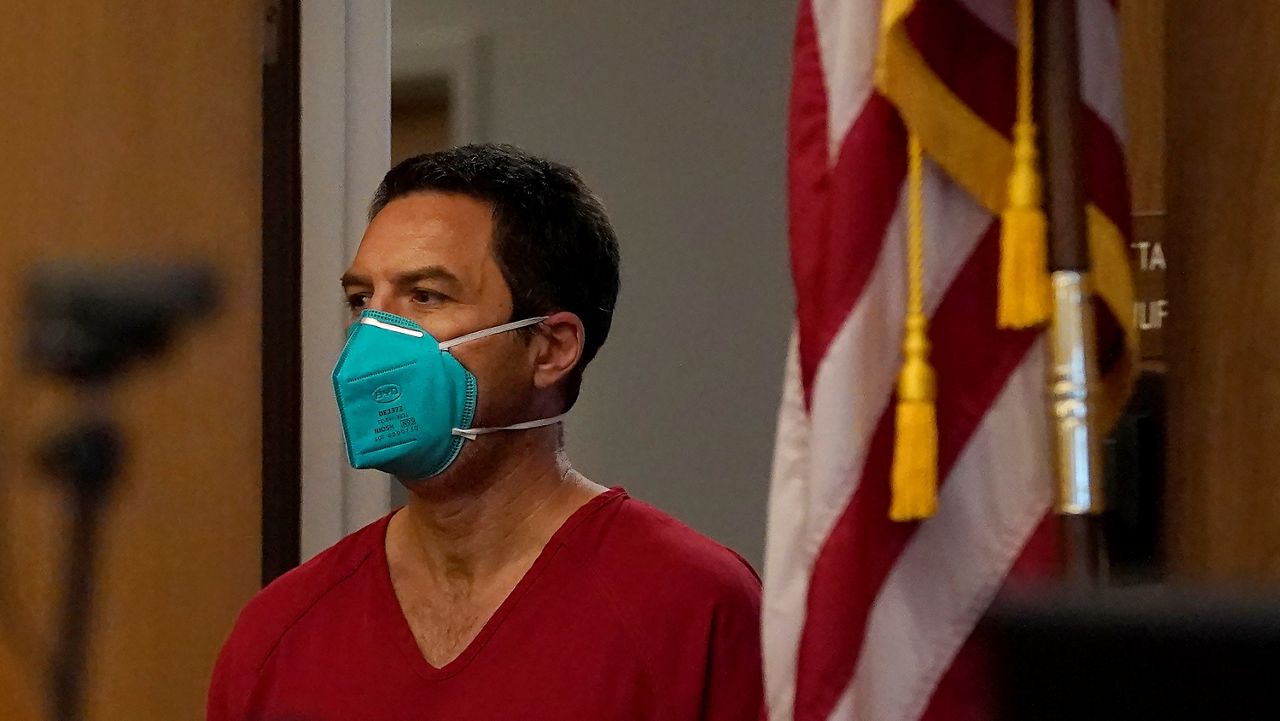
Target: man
[[510, 586]]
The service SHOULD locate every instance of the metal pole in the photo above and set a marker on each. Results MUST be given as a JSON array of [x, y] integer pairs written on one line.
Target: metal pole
[[1073, 365]]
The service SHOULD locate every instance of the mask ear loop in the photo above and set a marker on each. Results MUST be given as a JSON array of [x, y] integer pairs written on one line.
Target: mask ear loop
[[485, 333], [471, 433]]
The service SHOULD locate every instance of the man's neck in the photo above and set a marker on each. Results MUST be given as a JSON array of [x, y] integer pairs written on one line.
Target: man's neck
[[467, 530]]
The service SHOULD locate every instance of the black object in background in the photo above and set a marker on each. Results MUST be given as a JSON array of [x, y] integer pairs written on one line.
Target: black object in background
[[87, 324], [1136, 490], [1141, 654], [86, 456]]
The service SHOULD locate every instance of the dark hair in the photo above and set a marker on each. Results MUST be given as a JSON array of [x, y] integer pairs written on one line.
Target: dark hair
[[551, 236]]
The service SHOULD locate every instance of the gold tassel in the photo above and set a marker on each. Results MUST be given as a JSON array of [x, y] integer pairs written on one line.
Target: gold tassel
[[915, 453], [914, 478], [1024, 267]]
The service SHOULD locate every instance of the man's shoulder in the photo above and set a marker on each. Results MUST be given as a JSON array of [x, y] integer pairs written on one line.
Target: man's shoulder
[[270, 614], [646, 548], [674, 592], [267, 618]]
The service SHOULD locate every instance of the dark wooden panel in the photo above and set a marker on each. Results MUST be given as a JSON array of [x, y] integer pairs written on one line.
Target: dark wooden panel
[[1143, 62], [1142, 38], [1224, 249]]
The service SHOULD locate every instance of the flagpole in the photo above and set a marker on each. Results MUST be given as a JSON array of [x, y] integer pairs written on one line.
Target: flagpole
[[1073, 365]]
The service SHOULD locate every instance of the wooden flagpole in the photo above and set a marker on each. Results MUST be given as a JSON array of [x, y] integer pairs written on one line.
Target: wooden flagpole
[[1073, 364]]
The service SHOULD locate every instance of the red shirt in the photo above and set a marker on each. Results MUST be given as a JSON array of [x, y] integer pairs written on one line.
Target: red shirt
[[626, 614]]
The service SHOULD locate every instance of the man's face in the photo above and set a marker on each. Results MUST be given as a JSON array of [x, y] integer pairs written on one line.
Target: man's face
[[429, 257]]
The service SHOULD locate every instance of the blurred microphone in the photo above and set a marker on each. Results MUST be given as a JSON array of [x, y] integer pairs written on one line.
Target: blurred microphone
[[89, 322], [86, 324]]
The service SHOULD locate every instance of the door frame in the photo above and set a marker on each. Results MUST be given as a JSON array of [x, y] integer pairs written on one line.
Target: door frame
[[345, 142], [281, 289], [326, 118]]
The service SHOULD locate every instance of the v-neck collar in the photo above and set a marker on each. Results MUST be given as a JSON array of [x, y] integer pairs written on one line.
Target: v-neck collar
[[397, 626]]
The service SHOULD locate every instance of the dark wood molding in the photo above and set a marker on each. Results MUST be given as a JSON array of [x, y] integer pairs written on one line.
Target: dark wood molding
[[281, 290]]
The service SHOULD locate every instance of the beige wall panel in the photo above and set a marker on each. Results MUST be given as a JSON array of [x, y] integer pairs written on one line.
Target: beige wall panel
[[418, 127], [132, 130]]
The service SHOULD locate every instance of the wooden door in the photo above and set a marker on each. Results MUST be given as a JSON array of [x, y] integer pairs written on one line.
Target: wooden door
[[132, 129]]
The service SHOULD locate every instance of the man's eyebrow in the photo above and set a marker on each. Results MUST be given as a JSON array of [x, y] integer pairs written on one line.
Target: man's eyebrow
[[349, 279], [408, 277], [430, 272]]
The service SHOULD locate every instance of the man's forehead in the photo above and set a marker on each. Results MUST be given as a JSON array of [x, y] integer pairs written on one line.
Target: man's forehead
[[450, 231], [435, 216]]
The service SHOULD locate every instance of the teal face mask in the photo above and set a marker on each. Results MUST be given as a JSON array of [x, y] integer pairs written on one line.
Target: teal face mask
[[405, 402]]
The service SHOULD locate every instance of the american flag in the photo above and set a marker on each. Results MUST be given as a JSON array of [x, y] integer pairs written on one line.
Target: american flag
[[865, 618]]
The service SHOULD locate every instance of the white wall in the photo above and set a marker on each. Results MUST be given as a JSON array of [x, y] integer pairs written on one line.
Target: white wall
[[675, 114]]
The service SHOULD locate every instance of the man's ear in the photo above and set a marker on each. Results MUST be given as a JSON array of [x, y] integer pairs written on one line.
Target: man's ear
[[558, 345]]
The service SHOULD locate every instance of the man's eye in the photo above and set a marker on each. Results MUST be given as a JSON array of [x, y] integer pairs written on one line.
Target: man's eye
[[357, 301], [427, 297]]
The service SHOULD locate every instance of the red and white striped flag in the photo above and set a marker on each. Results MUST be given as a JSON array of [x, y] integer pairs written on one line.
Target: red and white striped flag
[[866, 618]]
